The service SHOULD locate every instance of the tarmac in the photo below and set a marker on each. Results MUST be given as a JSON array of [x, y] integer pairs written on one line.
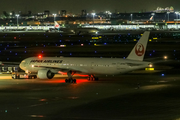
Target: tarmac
[[137, 95]]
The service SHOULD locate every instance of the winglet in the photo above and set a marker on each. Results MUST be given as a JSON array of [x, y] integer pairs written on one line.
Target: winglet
[[139, 49]]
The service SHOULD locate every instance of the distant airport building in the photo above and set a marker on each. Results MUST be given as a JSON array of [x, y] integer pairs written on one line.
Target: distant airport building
[[161, 18], [163, 10]]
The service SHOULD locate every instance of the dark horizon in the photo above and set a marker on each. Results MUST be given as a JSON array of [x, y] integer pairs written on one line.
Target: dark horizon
[[76, 6]]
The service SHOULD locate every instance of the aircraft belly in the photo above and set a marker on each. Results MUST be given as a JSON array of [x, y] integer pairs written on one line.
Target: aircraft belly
[[104, 71]]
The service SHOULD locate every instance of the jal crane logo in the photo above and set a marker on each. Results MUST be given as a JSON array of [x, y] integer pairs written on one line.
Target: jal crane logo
[[56, 26], [139, 49]]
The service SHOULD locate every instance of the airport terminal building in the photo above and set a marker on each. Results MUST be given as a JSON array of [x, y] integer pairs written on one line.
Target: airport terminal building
[[159, 19]]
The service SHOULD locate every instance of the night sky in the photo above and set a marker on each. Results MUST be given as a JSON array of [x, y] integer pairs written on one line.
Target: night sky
[[77, 5]]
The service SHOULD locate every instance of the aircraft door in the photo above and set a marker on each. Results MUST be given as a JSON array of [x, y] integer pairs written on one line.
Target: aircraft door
[[92, 65]]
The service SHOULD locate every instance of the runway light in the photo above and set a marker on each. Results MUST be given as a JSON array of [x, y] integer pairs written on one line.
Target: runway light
[[162, 74], [62, 45], [40, 56], [165, 57], [82, 44]]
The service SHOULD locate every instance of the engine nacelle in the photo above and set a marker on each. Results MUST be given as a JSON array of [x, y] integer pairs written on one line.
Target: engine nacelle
[[45, 74]]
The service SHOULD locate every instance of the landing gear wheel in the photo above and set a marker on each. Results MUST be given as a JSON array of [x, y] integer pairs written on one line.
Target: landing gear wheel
[[92, 78], [96, 78], [74, 80], [70, 80], [29, 77], [66, 80]]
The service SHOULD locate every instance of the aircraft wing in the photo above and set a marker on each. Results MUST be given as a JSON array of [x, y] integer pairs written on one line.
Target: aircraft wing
[[157, 60]]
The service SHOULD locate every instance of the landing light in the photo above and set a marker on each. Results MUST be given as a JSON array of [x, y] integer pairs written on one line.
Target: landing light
[[150, 65]]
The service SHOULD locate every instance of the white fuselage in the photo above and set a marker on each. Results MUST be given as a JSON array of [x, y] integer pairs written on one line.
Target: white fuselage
[[104, 66]]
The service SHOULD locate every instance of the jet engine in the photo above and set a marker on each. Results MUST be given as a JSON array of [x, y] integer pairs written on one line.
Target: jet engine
[[45, 74]]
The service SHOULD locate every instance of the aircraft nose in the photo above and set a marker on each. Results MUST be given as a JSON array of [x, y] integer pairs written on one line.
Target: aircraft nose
[[22, 65]]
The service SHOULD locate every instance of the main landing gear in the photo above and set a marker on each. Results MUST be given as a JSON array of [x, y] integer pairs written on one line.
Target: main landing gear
[[93, 78], [70, 79]]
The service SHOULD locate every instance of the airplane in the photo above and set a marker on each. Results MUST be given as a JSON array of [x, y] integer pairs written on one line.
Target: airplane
[[47, 67], [76, 31]]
